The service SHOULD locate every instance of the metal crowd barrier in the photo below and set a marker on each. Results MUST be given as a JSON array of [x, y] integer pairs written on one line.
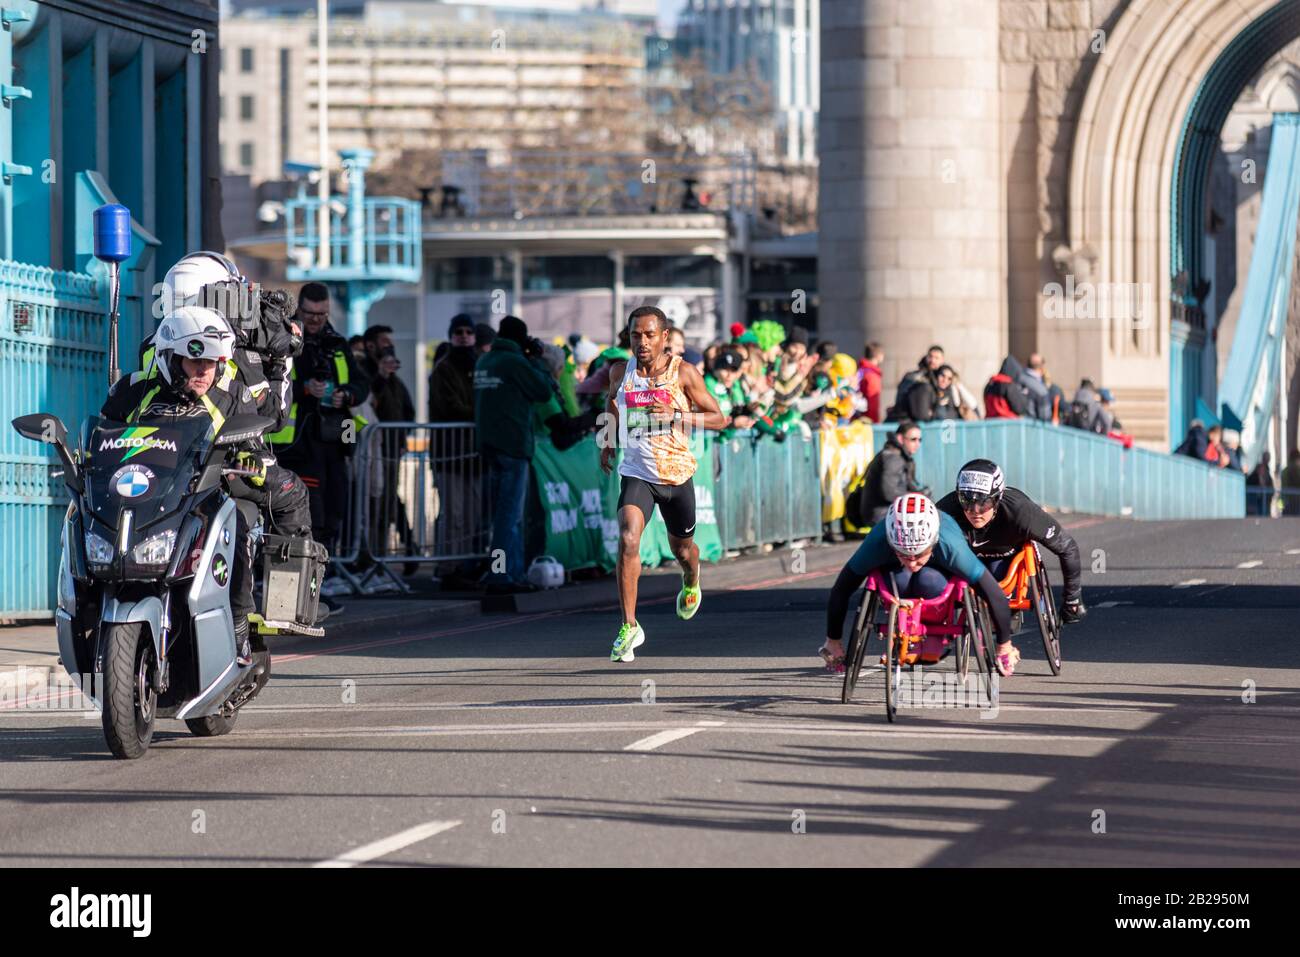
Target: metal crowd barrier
[[1073, 470], [767, 492], [419, 497]]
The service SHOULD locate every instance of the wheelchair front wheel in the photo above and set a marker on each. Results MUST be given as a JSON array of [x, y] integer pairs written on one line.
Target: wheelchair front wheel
[[894, 643], [863, 628]]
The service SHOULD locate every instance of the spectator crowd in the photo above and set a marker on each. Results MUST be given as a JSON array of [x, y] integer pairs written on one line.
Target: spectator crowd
[[769, 381]]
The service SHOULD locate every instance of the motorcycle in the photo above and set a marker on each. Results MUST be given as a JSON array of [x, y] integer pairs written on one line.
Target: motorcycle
[[144, 585]]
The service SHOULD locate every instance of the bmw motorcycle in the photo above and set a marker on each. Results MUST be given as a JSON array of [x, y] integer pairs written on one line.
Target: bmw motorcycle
[[144, 587]]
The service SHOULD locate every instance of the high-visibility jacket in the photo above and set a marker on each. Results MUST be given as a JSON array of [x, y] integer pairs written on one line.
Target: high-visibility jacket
[[139, 397], [288, 434]]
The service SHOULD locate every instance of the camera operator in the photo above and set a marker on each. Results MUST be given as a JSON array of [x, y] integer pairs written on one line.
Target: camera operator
[[266, 341], [318, 438]]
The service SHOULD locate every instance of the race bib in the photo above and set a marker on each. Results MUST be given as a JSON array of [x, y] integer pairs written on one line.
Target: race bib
[[639, 420]]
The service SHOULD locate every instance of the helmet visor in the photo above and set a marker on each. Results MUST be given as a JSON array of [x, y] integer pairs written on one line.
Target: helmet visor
[[973, 500]]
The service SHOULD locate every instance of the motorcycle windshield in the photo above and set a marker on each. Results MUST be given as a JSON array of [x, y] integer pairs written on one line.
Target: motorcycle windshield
[[146, 468]]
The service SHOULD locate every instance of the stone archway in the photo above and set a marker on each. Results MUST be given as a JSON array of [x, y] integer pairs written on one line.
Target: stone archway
[[1128, 147]]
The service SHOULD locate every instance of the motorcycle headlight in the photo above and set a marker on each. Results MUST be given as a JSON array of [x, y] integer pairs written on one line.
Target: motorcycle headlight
[[155, 550], [98, 551]]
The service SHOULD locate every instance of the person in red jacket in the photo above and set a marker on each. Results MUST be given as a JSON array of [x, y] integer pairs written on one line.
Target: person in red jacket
[[1003, 398], [873, 358]]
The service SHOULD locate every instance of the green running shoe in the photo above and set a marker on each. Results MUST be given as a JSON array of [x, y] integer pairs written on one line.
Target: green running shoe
[[688, 601], [629, 637]]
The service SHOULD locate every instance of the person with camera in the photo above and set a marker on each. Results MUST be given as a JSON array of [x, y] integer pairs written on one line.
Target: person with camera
[[265, 343], [319, 435], [507, 382]]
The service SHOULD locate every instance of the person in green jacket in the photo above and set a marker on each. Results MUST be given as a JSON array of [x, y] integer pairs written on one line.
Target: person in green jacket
[[723, 382], [507, 381]]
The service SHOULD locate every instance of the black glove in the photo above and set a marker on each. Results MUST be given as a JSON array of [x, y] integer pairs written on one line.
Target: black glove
[[1073, 612]]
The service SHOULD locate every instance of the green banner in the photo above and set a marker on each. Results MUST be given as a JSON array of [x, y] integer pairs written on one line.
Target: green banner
[[581, 506]]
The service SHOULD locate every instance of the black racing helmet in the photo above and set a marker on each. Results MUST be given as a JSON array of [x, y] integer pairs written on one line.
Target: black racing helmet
[[979, 483]]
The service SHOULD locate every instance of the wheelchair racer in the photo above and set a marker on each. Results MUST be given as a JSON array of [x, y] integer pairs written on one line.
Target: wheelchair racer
[[922, 548], [998, 521]]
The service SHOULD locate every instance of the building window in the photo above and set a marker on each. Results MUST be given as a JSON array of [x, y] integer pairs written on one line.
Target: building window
[[672, 271], [246, 60], [544, 273], [246, 155], [245, 107], [470, 274]]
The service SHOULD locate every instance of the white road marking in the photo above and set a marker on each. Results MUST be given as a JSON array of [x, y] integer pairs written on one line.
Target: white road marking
[[1293, 551], [1112, 604], [1190, 582], [1255, 563], [662, 738], [370, 852]]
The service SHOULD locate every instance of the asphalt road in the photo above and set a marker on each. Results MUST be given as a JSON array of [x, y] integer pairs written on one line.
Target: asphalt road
[[512, 740]]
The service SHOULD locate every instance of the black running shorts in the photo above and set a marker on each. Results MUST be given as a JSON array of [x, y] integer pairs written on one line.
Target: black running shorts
[[676, 503]]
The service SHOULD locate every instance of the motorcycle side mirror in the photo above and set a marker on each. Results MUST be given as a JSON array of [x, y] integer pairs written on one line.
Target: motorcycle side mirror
[[41, 427], [46, 428], [241, 428]]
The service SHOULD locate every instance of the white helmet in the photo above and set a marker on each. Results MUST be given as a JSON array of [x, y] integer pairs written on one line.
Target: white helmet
[[191, 332], [912, 524], [186, 279]]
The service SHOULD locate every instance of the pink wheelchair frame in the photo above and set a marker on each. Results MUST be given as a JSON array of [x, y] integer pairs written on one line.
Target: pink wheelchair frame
[[956, 617], [920, 618]]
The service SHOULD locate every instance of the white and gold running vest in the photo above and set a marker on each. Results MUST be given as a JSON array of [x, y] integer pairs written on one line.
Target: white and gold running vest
[[656, 452]]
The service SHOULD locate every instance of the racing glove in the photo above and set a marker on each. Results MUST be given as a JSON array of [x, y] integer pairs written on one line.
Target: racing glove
[[252, 462]]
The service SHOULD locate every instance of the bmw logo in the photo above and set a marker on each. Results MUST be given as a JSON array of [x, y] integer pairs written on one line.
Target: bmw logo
[[132, 481]]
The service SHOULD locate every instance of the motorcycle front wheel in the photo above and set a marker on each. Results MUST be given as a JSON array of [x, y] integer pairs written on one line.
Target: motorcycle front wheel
[[130, 702]]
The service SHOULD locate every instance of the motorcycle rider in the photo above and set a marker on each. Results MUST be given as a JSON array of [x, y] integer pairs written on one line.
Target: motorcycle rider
[[190, 347], [265, 343]]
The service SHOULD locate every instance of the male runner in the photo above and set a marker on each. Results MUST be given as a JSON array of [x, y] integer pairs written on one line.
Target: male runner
[[654, 397]]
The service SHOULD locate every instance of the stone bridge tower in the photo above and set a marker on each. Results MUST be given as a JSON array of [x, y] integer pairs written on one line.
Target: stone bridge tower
[[1031, 175]]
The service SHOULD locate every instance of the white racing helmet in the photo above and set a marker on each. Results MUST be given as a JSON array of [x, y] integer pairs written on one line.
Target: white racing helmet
[[191, 332], [912, 524], [185, 280]]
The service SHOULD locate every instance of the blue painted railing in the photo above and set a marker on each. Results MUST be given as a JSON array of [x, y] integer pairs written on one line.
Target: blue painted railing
[[1071, 470], [391, 244], [53, 357], [1250, 382]]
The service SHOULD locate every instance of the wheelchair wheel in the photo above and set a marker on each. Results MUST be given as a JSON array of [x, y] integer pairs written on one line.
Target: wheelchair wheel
[[1049, 624], [962, 646], [863, 629], [988, 644], [893, 665]]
